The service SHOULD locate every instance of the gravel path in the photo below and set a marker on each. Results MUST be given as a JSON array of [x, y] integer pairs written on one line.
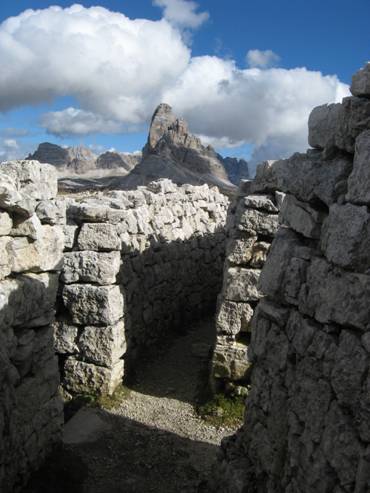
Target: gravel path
[[153, 440]]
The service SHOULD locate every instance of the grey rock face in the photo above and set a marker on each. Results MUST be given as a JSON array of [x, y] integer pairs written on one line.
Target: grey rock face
[[31, 413], [307, 415], [99, 237], [96, 305], [91, 267], [361, 82]]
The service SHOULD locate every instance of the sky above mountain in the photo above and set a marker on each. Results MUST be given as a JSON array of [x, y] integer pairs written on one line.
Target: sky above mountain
[[244, 74]]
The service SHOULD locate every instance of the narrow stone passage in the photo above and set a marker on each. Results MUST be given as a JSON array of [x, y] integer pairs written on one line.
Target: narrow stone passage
[[153, 441]]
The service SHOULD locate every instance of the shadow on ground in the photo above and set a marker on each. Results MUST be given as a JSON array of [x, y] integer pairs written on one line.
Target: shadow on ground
[[143, 459]]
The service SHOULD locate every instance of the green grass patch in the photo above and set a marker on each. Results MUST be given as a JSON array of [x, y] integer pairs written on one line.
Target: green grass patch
[[111, 401], [223, 410]]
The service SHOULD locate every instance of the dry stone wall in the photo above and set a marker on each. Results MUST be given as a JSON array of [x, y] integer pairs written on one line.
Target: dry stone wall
[[251, 225], [307, 424], [138, 265], [32, 241]]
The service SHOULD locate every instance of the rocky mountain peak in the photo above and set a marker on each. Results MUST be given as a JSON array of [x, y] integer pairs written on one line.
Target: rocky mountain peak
[[162, 120]]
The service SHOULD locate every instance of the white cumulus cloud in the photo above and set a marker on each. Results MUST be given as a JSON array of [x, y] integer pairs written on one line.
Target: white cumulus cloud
[[182, 13], [74, 121], [118, 69], [262, 59]]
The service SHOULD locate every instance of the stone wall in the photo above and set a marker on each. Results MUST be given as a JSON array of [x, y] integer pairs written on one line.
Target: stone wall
[[138, 266], [307, 424], [31, 413], [251, 225]]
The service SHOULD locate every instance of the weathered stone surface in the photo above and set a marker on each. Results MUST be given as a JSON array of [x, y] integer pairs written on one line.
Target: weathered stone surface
[[12, 200], [308, 177], [6, 224], [30, 227], [52, 212], [28, 300], [256, 222], [103, 345], [96, 305], [361, 82], [240, 251], [242, 284], [301, 217], [233, 318], [345, 238], [84, 378], [359, 180], [230, 361], [5, 259], [44, 254], [91, 267], [260, 202], [70, 235], [33, 179], [99, 237], [65, 337]]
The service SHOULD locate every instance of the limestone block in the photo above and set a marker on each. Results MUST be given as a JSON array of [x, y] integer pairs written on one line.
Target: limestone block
[[98, 237], [41, 255], [5, 259], [30, 227], [86, 378], [35, 180], [96, 211], [103, 345], [65, 337], [306, 176], [241, 284], [230, 361], [233, 318], [323, 125], [95, 305], [163, 185], [240, 251], [91, 267], [28, 300], [52, 212], [70, 232], [359, 179], [260, 202], [301, 217], [259, 254], [361, 82], [257, 222], [6, 224], [12, 200], [345, 238], [334, 295]]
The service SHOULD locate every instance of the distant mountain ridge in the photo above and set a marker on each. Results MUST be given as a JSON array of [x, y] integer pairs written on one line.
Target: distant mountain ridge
[[81, 160], [171, 151]]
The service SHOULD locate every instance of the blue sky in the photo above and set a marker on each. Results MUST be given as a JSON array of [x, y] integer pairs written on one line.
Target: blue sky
[[330, 36]]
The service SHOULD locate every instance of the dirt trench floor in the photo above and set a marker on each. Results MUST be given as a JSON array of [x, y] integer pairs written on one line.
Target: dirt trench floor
[[151, 441]]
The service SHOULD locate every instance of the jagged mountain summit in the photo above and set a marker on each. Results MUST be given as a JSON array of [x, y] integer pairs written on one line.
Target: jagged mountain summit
[[173, 152], [80, 160], [237, 169]]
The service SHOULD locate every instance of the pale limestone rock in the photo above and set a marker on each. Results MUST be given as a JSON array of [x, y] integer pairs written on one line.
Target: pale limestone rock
[[241, 284], [345, 238], [233, 318], [30, 227], [256, 222], [35, 180], [65, 337], [98, 237], [231, 361], [52, 212], [6, 224], [103, 345], [259, 254], [86, 378], [359, 179], [12, 200], [240, 252], [306, 176], [5, 259], [260, 202], [91, 267], [95, 305], [361, 82], [301, 217], [70, 235]]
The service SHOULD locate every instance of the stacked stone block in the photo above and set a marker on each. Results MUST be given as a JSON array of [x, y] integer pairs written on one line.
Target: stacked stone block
[[139, 265], [32, 242], [251, 225], [307, 424]]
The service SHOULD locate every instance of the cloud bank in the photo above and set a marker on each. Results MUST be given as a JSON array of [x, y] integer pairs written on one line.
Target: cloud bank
[[118, 69]]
